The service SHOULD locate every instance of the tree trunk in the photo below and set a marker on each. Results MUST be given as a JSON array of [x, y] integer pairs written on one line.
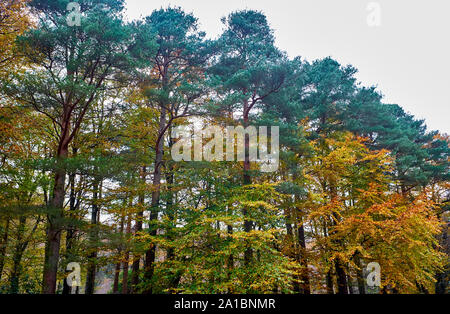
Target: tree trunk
[[70, 235], [150, 255], [116, 279], [303, 259], [118, 264], [126, 261], [442, 278], [17, 257], [230, 261], [291, 247], [3, 246], [360, 274], [138, 228], [170, 178], [341, 277], [350, 285], [330, 289], [248, 254], [56, 211], [54, 229]]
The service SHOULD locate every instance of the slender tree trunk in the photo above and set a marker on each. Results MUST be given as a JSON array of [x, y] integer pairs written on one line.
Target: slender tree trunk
[[341, 277], [306, 289], [126, 261], [443, 277], [17, 257], [248, 254], [91, 270], [54, 229], [118, 264], [230, 261], [291, 247], [150, 255], [70, 235], [135, 268], [3, 246], [350, 285], [116, 278], [170, 177], [138, 228]]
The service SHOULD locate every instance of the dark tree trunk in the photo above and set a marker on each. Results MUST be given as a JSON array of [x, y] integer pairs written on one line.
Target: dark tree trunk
[[92, 267], [56, 211], [341, 277], [135, 268], [3, 246], [126, 261], [443, 278], [125, 274], [248, 254], [360, 274], [350, 285], [17, 257], [138, 228], [291, 248], [54, 229], [70, 235], [303, 259], [230, 261], [329, 280], [170, 177], [118, 265], [150, 255], [301, 255], [116, 278]]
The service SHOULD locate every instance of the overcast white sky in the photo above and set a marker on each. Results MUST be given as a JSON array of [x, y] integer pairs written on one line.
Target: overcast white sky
[[407, 56]]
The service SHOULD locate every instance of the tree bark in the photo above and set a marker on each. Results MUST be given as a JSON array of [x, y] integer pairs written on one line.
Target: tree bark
[[341, 277], [56, 210], [170, 177], [442, 278], [248, 254], [17, 257], [116, 279], [360, 274], [306, 288], [70, 235], [329, 280], [54, 226], [126, 261], [118, 264]]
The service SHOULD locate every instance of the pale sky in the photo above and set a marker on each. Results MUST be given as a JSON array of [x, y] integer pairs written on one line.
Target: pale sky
[[407, 56]]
